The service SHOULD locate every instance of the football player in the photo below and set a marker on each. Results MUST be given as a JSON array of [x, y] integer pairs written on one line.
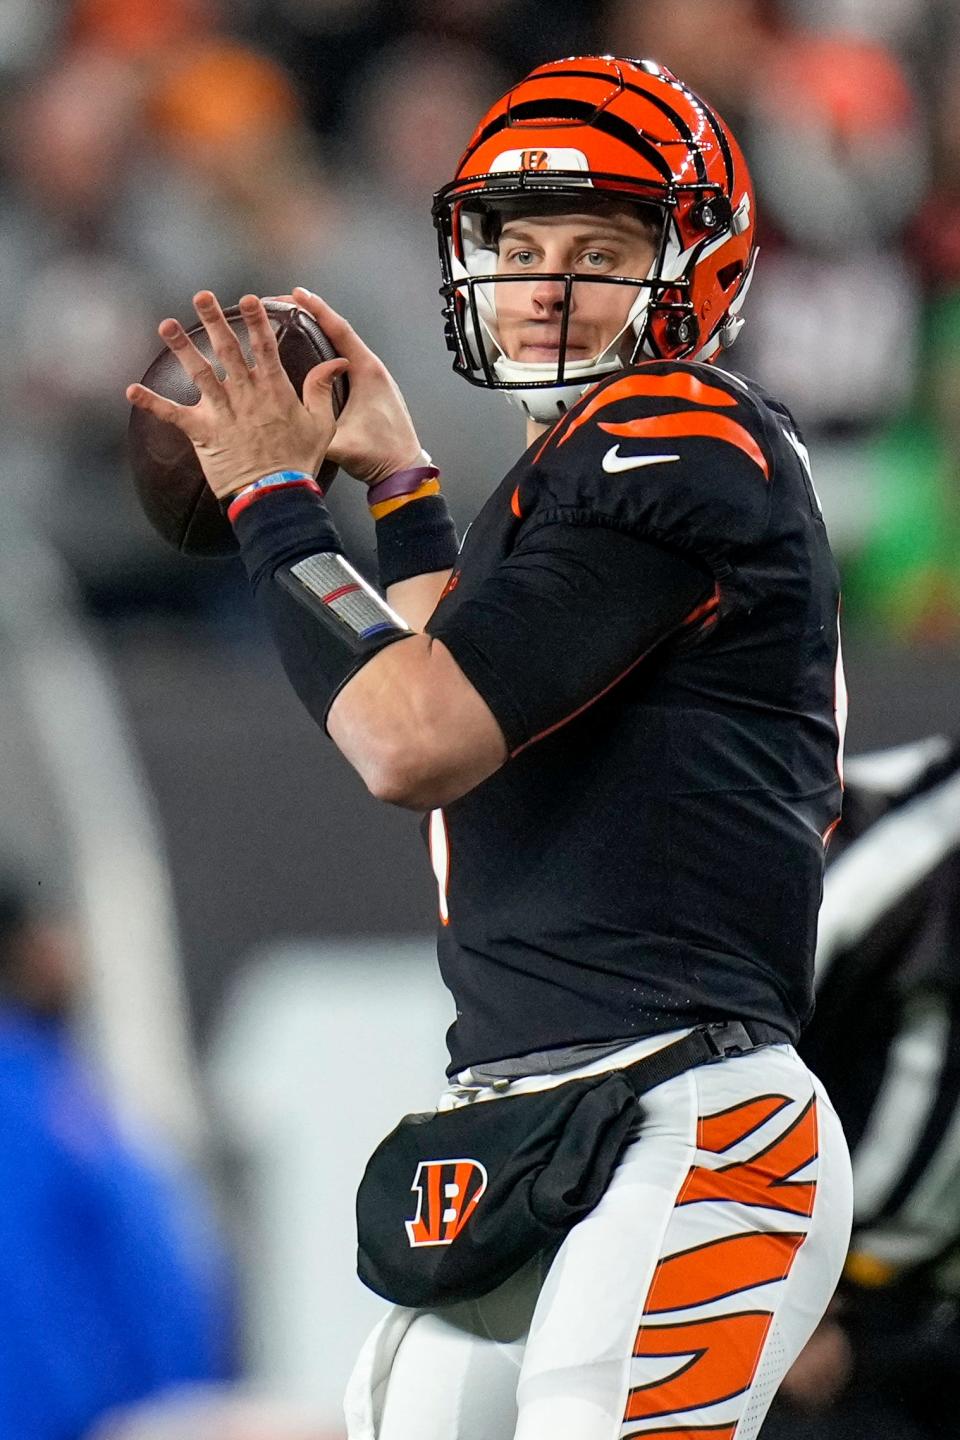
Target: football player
[[621, 705]]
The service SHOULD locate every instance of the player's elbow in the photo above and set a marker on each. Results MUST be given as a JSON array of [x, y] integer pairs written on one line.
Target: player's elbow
[[421, 775], [436, 761], [416, 733], [387, 780], [407, 779], [394, 790]]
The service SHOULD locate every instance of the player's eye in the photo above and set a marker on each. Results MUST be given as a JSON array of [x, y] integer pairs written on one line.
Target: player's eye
[[597, 259], [523, 258]]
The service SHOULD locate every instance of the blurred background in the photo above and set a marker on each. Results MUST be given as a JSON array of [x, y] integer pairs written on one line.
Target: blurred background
[[227, 900]]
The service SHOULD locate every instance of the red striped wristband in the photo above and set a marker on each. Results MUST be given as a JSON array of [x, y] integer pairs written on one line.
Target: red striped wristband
[[267, 485]]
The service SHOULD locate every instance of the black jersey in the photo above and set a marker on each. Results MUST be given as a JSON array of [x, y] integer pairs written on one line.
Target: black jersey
[[648, 604]]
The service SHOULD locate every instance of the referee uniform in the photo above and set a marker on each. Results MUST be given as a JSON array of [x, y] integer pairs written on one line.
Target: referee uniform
[[886, 1039]]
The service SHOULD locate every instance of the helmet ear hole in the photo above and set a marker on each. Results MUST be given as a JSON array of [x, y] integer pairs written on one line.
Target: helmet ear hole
[[712, 214], [730, 274], [681, 331]]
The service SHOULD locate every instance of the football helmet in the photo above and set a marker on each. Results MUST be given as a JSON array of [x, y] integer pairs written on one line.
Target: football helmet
[[591, 131]]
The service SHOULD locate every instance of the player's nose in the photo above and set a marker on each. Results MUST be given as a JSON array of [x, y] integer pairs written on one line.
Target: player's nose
[[547, 296]]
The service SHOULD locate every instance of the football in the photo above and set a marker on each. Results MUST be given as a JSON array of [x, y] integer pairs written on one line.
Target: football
[[166, 472]]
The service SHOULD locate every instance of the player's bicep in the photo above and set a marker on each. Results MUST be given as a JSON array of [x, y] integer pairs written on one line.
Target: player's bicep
[[415, 728], [570, 613]]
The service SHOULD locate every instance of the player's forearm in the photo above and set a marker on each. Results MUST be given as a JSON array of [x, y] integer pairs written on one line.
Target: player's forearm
[[416, 598], [395, 704], [413, 727], [416, 548]]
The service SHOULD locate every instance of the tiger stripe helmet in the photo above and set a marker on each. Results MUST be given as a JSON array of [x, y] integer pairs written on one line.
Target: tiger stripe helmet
[[598, 128]]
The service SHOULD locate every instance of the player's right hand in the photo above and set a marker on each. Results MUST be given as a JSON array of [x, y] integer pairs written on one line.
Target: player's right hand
[[375, 436]]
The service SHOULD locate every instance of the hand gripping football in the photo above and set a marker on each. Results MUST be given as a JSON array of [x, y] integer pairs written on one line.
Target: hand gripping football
[[166, 472]]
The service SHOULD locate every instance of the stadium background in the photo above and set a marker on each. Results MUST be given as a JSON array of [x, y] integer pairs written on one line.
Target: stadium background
[[236, 893]]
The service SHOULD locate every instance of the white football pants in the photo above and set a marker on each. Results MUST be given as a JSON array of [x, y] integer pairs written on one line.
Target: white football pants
[[673, 1310]]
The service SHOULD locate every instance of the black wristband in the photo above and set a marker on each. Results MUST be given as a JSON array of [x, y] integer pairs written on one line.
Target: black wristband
[[415, 539], [282, 526]]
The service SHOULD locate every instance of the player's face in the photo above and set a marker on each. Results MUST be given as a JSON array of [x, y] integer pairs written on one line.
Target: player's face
[[529, 317]]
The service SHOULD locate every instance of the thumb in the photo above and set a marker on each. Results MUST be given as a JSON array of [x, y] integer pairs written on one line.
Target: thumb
[[318, 384]]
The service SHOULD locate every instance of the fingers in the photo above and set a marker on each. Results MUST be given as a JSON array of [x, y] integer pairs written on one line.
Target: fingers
[[340, 332], [223, 341], [193, 364], [183, 416], [263, 342], [318, 385]]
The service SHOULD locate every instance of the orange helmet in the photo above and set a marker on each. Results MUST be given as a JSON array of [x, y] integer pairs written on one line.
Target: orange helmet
[[591, 130]]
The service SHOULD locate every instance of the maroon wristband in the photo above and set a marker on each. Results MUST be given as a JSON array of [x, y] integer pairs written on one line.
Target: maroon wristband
[[401, 482]]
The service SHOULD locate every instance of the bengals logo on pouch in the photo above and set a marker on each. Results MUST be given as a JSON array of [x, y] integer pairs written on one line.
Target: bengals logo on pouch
[[535, 160], [447, 1195]]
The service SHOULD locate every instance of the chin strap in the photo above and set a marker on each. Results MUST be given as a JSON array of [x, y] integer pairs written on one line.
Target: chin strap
[[547, 405], [550, 403]]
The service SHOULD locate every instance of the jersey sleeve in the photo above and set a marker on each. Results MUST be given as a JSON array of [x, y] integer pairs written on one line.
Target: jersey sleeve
[[572, 610], [675, 454]]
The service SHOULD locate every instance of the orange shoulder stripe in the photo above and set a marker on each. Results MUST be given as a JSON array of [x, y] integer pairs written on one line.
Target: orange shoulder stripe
[[688, 423], [678, 385]]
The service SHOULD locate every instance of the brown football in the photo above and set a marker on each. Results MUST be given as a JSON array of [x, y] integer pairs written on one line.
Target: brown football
[[166, 472]]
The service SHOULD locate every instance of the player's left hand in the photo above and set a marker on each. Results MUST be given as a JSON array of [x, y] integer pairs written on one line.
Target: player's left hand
[[375, 434], [250, 423]]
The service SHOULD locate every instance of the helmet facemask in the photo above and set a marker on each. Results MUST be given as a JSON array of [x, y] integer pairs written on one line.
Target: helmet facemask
[[476, 297], [574, 134]]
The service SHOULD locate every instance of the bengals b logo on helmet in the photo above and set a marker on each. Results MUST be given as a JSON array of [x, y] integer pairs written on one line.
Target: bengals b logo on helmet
[[447, 1195]]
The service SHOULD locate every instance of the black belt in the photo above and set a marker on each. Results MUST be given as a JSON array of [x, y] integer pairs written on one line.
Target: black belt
[[705, 1045]]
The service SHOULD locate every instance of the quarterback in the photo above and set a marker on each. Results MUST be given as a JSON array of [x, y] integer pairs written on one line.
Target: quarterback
[[620, 706]]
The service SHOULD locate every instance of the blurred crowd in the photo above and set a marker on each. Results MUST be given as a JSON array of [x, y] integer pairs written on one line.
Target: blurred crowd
[[153, 146]]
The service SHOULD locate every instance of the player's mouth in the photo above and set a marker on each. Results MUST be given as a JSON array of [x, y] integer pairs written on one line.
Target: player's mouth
[[545, 349]]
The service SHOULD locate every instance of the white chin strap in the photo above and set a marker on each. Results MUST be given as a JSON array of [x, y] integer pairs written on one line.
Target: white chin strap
[[547, 405], [551, 402]]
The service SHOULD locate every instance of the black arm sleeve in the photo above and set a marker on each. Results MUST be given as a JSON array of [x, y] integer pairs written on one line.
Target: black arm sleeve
[[571, 610], [326, 621]]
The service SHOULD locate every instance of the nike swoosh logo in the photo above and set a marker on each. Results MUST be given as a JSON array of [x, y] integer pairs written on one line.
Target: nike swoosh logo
[[614, 462]]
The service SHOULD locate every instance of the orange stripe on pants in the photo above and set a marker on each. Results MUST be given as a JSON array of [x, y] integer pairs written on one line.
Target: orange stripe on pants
[[719, 1358]]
